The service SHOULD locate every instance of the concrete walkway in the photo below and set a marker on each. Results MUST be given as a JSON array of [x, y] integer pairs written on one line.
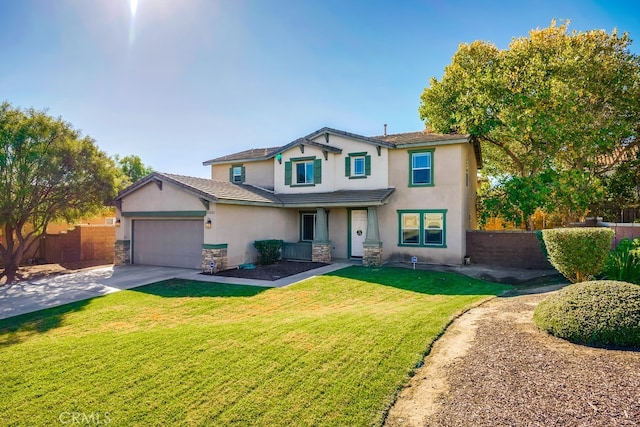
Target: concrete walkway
[[32, 295]]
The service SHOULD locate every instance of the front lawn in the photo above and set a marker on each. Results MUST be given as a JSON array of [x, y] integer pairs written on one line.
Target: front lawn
[[332, 350]]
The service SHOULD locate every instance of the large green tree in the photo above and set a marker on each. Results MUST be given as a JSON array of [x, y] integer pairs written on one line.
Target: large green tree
[[48, 171], [132, 168], [545, 110]]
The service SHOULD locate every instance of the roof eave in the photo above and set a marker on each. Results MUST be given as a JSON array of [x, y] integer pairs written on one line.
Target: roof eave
[[337, 132], [356, 204], [249, 203], [158, 176], [230, 162], [461, 140]]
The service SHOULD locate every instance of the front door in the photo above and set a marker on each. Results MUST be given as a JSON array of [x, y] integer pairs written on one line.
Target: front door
[[358, 231]]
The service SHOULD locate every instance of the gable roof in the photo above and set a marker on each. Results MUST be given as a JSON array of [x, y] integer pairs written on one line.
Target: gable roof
[[421, 138], [228, 192], [330, 131], [410, 138], [256, 154], [208, 189], [398, 140], [250, 154], [307, 141]]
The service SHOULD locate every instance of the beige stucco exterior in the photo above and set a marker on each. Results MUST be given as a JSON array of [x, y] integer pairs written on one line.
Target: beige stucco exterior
[[258, 173], [449, 193], [235, 225], [239, 226], [155, 201], [333, 167]]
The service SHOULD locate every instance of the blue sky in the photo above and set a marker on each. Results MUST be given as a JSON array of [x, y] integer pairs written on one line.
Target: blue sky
[[178, 82]]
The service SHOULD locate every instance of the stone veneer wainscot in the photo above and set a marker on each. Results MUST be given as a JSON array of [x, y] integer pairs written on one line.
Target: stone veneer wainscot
[[217, 254]]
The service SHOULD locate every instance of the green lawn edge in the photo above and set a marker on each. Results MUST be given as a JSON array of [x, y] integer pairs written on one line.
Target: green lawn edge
[[331, 350]]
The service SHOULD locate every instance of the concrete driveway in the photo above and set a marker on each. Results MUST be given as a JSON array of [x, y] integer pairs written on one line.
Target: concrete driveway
[[27, 296], [32, 295]]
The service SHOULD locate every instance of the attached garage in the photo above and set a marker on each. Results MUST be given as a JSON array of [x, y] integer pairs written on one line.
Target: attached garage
[[171, 243]]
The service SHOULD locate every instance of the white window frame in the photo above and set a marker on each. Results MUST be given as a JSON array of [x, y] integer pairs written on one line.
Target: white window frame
[[413, 168], [237, 174], [308, 170], [354, 168]]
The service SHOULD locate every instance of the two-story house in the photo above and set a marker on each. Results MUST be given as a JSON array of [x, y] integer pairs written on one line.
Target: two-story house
[[328, 195]]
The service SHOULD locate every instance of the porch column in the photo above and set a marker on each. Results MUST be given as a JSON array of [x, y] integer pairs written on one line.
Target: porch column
[[321, 246], [372, 246]]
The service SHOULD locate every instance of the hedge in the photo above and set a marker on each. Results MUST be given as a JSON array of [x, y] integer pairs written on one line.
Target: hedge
[[579, 254], [599, 313]]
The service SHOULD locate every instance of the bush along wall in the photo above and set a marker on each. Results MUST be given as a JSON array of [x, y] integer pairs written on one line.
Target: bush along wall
[[579, 254], [269, 250]]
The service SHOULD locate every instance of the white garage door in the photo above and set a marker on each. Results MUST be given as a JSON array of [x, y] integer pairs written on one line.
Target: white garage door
[[168, 243]]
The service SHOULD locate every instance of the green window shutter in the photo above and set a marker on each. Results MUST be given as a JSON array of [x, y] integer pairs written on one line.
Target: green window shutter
[[367, 165], [287, 173], [347, 166], [231, 174], [317, 171], [242, 175]]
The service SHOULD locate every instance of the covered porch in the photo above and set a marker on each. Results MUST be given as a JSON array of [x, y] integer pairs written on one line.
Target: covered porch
[[342, 225]]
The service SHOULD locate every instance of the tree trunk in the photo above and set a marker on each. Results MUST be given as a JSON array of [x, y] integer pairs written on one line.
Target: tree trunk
[[530, 223], [12, 253], [10, 269]]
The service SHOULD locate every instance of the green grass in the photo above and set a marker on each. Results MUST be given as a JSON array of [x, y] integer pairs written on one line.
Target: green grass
[[333, 350]]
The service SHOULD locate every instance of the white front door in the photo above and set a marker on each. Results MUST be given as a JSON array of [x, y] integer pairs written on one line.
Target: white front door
[[358, 231]]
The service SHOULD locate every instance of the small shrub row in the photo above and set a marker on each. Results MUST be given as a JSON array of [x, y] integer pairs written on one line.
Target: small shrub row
[[579, 254], [269, 250], [600, 313]]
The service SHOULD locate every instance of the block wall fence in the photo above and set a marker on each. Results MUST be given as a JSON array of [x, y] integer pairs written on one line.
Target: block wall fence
[[521, 249]]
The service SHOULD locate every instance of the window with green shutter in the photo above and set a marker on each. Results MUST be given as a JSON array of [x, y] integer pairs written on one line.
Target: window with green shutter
[[236, 174], [357, 165], [303, 171]]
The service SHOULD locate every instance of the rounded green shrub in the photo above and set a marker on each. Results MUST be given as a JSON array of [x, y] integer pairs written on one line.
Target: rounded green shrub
[[579, 254], [601, 313]]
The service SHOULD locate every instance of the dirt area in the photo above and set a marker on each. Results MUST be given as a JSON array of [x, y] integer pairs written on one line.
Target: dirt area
[[493, 367], [271, 272]]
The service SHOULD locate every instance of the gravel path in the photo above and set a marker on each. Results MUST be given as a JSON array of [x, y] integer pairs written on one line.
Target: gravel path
[[493, 367]]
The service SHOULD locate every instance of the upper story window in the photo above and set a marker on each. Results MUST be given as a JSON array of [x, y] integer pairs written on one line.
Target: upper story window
[[303, 171], [421, 167], [236, 174], [357, 165]]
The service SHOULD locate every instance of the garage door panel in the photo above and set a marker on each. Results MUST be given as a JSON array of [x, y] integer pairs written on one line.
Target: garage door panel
[[168, 243]]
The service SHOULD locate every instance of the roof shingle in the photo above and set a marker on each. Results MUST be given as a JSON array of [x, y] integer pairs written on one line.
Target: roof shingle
[[224, 191], [420, 137], [250, 154]]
